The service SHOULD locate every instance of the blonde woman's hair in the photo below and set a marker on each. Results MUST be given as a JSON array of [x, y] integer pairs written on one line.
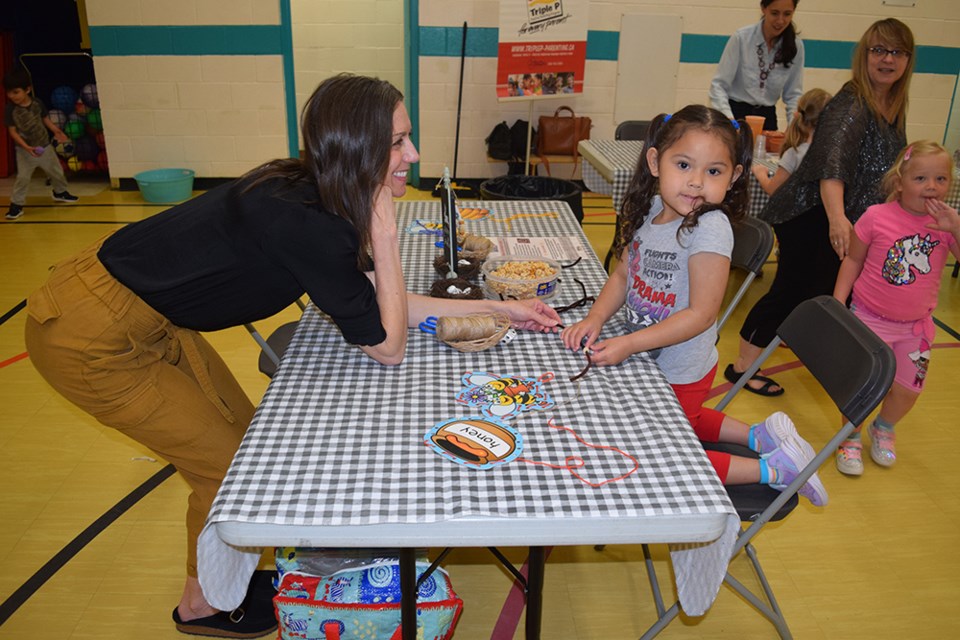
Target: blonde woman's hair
[[805, 119], [891, 180], [892, 33]]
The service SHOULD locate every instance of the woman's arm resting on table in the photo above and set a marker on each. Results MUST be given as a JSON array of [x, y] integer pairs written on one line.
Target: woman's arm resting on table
[[831, 192], [532, 315], [708, 281], [388, 280]]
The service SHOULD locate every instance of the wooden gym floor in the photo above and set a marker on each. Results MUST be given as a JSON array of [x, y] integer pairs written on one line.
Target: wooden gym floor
[[881, 561]]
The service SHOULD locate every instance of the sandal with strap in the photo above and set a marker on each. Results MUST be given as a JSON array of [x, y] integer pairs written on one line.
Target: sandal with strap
[[732, 376]]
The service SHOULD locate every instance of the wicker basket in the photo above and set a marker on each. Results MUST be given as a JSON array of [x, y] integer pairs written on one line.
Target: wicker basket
[[446, 326]]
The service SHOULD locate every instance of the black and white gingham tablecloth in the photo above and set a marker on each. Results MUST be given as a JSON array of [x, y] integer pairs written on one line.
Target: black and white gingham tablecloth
[[338, 438], [610, 165]]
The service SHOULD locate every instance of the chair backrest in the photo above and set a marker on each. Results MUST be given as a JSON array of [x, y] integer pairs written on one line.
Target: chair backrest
[[632, 130], [752, 244], [853, 365]]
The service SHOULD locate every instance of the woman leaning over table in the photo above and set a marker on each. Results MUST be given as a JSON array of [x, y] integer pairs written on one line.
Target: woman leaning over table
[[860, 133], [116, 327], [761, 64]]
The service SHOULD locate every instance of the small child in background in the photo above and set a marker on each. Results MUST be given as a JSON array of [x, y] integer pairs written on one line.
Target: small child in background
[[674, 262], [897, 254], [30, 127], [796, 141]]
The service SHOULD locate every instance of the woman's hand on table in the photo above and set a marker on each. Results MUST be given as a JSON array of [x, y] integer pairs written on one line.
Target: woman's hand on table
[[531, 315]]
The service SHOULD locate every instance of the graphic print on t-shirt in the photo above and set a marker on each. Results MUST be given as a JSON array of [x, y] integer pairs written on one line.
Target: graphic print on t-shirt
[[650, 295], [908, 254]]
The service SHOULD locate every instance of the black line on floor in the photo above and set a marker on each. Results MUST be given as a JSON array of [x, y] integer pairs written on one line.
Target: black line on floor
[[95, 204], [57, 562], [22, 221], [947, 328], [13, 312]]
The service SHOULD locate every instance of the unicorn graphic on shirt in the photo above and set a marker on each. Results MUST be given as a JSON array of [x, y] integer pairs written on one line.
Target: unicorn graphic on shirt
[[907, 255]]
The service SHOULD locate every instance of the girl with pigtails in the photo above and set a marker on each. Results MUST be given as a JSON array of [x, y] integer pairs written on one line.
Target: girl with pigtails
[[674, 259]]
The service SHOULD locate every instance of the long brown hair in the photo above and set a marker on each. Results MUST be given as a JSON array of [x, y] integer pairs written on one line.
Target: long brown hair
[[809, 106], [347, 129], [662, 134], [894, 34]]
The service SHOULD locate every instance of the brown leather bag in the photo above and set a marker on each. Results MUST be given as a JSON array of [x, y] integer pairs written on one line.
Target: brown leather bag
[[559, 135]]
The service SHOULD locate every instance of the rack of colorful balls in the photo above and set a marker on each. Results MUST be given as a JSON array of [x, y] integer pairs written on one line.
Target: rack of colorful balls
[[77, 113]]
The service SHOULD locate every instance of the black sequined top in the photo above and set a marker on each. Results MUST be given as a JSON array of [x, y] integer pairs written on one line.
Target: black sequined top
[[849, 144]]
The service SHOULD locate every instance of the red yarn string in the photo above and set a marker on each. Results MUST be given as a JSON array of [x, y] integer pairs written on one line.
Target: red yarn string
[[573, 462]]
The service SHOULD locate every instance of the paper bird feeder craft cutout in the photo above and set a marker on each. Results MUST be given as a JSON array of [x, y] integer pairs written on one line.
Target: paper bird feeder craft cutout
[[475, 441], [504, 397]]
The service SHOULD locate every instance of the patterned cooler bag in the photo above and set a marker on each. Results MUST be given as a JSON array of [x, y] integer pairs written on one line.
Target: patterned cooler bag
[[362, 603]]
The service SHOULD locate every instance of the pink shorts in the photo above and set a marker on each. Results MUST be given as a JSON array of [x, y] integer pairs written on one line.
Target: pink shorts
[[910, 341]]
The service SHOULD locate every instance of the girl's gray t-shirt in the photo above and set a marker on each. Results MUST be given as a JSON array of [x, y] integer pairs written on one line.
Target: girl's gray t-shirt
[[658, 285]]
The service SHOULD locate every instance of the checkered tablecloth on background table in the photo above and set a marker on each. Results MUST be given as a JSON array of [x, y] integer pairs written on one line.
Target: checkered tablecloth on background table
[[338, 441], [610, 165]]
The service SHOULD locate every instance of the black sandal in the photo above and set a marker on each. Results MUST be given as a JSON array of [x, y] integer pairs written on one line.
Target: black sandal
[[254, 618], [732, 376]]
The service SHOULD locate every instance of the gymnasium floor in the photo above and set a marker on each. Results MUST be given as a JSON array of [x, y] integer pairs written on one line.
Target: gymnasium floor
[[881, 561]]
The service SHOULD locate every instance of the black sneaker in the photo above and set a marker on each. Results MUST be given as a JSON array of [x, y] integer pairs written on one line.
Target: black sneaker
[[64, 196], [14, 212]]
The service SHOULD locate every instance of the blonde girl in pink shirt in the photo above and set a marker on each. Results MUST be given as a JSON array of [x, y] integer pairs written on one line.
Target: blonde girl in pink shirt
[[897, 254]]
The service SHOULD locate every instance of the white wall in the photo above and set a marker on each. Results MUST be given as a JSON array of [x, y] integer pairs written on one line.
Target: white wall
[[217, 115], [934, 22]]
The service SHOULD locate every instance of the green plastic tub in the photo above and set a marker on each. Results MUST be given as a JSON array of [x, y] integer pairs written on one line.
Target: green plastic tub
[[163, 186]]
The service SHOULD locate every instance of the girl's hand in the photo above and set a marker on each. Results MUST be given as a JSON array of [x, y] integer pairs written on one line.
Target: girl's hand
[[60, 136], [582, 334], [611, 352], [760, 172], [840, 229], [945, 217], [531, 315]]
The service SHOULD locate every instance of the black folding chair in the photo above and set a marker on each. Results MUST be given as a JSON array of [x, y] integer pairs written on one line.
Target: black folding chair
[[632, 130], [273, 347], [752, 243], [856, 370]]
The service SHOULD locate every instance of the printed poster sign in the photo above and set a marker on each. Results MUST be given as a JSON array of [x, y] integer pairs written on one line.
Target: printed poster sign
[[543, 48]]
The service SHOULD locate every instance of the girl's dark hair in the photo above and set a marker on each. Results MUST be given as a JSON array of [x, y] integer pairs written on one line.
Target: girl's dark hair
[[663, 133], [788, 39], [347, 129]]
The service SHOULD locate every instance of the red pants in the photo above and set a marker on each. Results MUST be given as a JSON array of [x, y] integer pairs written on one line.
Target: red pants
[[705, 421]]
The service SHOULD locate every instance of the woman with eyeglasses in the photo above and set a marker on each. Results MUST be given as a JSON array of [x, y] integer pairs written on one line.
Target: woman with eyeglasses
[[761, 64], [860, 133]]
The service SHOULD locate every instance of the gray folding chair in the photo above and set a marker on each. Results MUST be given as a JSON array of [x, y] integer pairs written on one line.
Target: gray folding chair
[[752, 243], [632, 130], [273, 347], [856, 370]]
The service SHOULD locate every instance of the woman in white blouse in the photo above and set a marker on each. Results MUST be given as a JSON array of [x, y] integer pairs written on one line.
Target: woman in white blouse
[[761, 64]]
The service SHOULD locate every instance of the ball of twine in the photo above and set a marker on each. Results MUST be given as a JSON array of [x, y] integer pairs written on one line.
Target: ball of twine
[[477, 246], [474, 332], [467, 267], [464, 289]]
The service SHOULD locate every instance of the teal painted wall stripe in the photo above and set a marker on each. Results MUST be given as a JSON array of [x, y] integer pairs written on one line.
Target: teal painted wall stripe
[[694, 48], [255, 39], [411, 75], [289, 82]]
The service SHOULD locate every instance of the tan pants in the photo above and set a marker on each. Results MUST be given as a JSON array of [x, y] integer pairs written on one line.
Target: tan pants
[[111, 354]]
